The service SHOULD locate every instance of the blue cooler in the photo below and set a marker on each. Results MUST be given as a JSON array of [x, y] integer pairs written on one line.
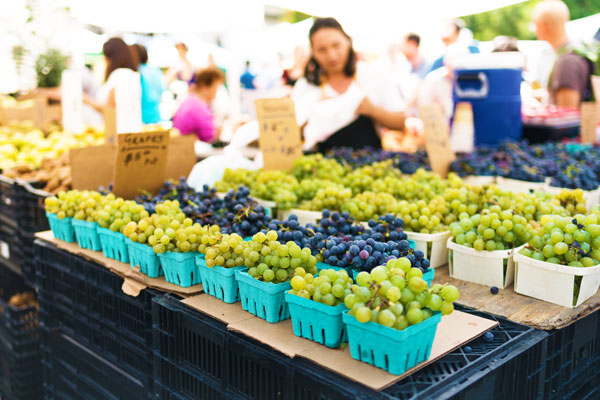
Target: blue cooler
[[492, 84]]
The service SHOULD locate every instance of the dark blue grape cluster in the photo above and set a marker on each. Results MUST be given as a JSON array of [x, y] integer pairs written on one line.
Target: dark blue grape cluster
[[236, 212], [342, 242], [408, 163], [567, 165]]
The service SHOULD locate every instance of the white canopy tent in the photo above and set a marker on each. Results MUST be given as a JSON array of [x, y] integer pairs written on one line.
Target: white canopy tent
[[584, 28]]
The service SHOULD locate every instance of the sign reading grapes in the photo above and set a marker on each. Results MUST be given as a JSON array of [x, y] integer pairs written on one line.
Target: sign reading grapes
[[279, 139], [141, 163], [437, 139]]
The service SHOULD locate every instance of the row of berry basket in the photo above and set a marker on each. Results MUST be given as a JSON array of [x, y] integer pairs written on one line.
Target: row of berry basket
[[324, 324], [554, 283]]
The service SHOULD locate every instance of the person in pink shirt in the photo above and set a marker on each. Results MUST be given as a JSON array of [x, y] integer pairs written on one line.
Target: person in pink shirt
[[194, 115]]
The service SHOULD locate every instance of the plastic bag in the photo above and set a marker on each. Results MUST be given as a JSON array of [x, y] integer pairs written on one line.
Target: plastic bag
[[211, 169]]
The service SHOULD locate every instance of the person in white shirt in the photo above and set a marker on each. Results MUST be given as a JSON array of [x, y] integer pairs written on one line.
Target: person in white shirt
[[122, 88], [340, 102]]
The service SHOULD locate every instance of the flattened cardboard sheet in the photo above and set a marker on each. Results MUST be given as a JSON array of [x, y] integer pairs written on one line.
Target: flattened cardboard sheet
[[92, 166], [181, 157], [122, 269], [209, 305]]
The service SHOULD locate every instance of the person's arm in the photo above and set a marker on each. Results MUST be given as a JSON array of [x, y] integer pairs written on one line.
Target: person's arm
[[389, 119], [110, 102], [567, 97]]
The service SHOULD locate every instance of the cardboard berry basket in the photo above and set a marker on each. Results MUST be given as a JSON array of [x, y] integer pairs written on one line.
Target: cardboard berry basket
[[304, 216], [433, 245], [87, 234], [490, 268], [61, 228], [518, 186], [479, 180], [555, 283], [591, 197]]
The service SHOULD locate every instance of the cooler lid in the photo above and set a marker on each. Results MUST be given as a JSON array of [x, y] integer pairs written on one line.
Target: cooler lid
[[503, 60]]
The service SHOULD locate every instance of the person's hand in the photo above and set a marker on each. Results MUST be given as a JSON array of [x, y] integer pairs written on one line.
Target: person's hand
[[365, 107]]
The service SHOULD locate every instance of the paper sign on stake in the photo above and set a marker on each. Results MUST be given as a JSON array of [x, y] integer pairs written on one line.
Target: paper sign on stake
[[92, 166], [110, 124], [279, 139], [589, 121], [182, 157], [72, 101], [141, 163], [437, 141]]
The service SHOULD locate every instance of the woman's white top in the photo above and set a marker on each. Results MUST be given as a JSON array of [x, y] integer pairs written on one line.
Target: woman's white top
[[128, 98], [326, 111]]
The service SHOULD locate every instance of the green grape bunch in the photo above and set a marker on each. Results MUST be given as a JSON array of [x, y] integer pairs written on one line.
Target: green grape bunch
[[398, 297], [329, 287]]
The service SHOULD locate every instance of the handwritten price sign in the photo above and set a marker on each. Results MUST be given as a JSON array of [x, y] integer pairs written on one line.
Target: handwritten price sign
[[141, 163], [279, 139], [437, 139]]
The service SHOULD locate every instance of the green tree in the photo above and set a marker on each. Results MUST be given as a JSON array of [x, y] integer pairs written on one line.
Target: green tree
[[515, 20]]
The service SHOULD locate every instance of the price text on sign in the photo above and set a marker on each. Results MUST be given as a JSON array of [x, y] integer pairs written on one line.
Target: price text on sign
[[141, 163], [437, 139], [279, 139]]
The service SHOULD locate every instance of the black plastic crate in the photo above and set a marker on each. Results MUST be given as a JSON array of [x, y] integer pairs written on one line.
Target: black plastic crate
[[20, 367], [189, 384], [30, 206], [26, 254], [10, 247], [8, 201], [85, 301], [201, 348], [73, 371], [573, 360]]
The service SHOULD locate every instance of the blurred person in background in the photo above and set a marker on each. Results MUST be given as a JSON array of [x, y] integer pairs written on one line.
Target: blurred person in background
[[437, 85], [569, 83], [410, 49], [183, 70], [152, 86], [121, 72], [450, 35], [295, 72], [339, 102], [247, 78], [195, 115]]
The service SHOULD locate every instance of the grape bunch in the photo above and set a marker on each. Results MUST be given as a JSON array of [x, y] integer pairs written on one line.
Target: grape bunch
[[396, 296], [271, 261], [235, 212], [81, 205], [167, 230], [330, 198], [572, 201], [424, 217], [564, 240], [493, 229], [328, 287], [226, 252]]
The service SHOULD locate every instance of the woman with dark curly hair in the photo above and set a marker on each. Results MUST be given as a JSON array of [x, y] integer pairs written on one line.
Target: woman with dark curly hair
[[339, 102]]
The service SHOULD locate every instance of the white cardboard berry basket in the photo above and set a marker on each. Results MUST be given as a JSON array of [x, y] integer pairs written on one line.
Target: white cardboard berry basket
[[433, 245], [517, 186], [490, 268], [555, 283], [591, 197], [479, 180], [304, 216]]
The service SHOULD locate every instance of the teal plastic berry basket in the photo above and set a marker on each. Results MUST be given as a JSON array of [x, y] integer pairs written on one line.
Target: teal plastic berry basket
[[390, 349], [62, 229], [180, 268], [87, 234], [321, 266], [219, 281], [316, 321], [113, 244], [141, 255], [266, 300]]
